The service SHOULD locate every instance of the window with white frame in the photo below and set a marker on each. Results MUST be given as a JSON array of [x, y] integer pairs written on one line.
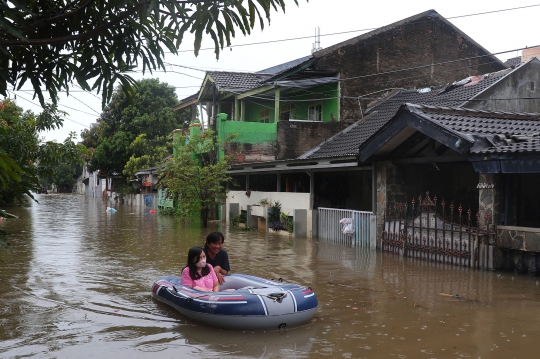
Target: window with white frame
[[315, 112]]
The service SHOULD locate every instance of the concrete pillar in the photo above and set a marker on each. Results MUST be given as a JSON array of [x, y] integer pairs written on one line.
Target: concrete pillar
[[380, 200], [311, 190], [300, 222], [315, 224], [236, 109], [276, 106], [234, 210], [488, 199], [251, 221], [223, 209], [488, 204]]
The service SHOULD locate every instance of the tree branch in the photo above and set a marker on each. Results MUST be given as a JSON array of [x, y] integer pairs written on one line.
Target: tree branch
[[64, 39], [53, 19]]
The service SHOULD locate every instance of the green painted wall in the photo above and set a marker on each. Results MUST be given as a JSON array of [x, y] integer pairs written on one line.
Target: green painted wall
[[329, 107], [248, 132], [301, 100], [254, 108]]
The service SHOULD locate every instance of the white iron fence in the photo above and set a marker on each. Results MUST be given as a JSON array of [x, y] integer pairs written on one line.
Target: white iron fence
[[345, 226]]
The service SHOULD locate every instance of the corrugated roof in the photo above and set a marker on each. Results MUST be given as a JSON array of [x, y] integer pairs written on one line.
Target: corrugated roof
[[274, 70]]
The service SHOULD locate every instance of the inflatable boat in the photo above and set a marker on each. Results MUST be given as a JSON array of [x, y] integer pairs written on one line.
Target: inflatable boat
[[244, 302]]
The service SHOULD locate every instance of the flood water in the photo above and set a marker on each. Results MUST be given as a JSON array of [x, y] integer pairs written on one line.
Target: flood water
[[76, 282]]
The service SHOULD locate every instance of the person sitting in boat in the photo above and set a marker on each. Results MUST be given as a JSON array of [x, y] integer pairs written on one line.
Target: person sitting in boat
[[216, 255], [198, 274]]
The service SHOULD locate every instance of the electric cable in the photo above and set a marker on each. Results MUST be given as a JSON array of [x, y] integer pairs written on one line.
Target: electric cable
[[360, 30]]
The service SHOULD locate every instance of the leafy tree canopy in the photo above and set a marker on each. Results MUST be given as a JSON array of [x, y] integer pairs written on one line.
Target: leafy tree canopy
[[134, 134], [54, 43], [195, 178], [28, 156], [64, 176]]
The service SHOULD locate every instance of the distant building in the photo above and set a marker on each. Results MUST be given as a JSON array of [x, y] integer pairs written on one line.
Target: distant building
[[526, 55]]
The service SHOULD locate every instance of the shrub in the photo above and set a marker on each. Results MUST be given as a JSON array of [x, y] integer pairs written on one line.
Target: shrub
[[238, 219], [277, 226], [274, 214]]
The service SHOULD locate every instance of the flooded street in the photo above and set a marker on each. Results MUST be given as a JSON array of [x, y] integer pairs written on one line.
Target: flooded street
[[76, 284]]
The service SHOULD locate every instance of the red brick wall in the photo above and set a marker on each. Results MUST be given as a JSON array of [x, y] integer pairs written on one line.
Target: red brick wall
[[295, 137]]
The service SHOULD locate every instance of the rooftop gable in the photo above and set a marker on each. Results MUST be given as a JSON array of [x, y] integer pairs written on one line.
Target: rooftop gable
[[429, 15], [465, 131]]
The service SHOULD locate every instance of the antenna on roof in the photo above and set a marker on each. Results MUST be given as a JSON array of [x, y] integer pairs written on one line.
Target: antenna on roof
[[317, 43]]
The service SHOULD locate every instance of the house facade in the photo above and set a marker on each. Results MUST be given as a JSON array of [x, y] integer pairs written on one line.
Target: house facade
[[286, 115], [461, 156]]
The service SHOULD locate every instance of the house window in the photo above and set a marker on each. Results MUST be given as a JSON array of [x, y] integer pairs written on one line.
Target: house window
[[287, 111], [315, 112], [264, 116]]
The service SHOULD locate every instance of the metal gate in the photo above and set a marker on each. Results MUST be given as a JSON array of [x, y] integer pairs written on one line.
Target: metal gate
[[362, 224], [418, 230]]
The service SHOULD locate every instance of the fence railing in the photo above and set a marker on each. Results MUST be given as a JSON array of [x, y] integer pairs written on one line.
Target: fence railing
[[363, 224], [163, 201], [429, 231]]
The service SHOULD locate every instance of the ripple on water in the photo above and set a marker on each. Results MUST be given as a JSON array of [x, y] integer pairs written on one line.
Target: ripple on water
[[84, 276]]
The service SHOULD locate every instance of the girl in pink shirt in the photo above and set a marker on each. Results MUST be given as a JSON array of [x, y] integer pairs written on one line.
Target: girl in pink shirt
[[197, 274]]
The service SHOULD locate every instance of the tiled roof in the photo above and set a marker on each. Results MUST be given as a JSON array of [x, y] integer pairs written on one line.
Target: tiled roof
[[237, 81], [346, 143], [495, 132]]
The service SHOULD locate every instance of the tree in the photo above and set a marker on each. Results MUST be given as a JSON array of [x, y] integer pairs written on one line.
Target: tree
[[195, 178], [90, 137], [33, 158], [53, 43], [134, 134], [65, 175], [146, 153]]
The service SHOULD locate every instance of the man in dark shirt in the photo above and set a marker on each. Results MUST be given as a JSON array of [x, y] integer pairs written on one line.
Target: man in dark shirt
[[216, 255]]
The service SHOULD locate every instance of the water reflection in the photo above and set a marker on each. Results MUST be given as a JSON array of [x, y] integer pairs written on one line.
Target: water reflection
[[76, 283]]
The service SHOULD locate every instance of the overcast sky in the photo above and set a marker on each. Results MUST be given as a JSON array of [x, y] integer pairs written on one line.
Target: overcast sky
[[497, 32]]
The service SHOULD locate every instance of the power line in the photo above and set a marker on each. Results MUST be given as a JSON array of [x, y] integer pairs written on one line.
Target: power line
[[71, 108], [405, 69], [359, 30], [126, 124], [430, 65], [185, 67], [494, 11], [85, 105], [91, 93], [175, 72]]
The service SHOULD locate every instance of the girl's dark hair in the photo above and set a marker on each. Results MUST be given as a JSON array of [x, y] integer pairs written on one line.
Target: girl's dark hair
[[213, 238], [193, 257]]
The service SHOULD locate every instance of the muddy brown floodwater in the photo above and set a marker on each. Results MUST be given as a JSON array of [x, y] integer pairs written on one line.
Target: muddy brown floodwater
[[76, 284]]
